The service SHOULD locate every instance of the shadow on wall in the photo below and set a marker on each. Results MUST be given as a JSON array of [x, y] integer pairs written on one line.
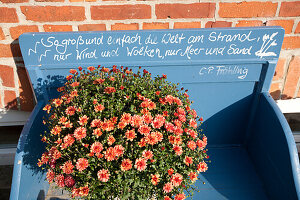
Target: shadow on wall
[[25, 99]]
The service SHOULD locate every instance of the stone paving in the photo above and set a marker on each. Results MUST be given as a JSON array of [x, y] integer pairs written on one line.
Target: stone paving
[[55, 193]]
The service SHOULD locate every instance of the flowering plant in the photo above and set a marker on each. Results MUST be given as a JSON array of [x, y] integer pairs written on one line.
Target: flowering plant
[[117, 134]]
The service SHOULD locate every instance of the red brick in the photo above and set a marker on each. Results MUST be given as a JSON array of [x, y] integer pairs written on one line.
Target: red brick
[[92, 27], [2, 36], [249, 23], [26, 95], [247, 9], [8, 15], [279, 69], [54, 13], [297, 30], [82, 0], [121, 26], [16, 31], [290, 9], [57, 28], [155, 25], [10, 99], [187, 25], [49, 0], [119, 12], [176, 10], [292, 78], [14, 1], [291, 42], [275, 91], [7, 76], [10, 50], [5, 50], [286, 24], [298, 95], [216, 24]]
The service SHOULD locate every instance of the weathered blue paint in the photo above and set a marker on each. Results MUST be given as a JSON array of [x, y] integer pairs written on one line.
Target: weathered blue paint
[[155, 45], [273, 150], [28, 179], [227, 89]]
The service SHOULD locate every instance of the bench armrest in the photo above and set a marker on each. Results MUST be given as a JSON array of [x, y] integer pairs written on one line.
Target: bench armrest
[[28, 180], [273, 150]]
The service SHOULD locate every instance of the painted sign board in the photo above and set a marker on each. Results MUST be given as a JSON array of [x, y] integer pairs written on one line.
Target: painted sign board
[[149, 46]]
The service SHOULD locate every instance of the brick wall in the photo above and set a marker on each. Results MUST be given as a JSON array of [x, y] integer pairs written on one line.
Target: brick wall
[[19, 16]]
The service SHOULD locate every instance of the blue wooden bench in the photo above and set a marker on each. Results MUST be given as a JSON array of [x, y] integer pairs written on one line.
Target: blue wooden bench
[[228, 73]]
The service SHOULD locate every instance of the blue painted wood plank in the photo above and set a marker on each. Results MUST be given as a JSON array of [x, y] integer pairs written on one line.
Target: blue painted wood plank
[[273, 151], [231, 175], [152, 45]]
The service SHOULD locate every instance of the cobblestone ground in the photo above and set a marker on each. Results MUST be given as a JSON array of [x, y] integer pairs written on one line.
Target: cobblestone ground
[[56, 194]]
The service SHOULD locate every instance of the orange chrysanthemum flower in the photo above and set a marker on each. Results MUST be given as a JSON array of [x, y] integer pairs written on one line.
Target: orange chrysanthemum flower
[[80, 133], [96, 147], [83, 120], [47, 108], [180, 196], [96, 123], [151, 139], [119, 149], [155, 179], [99, 108], [110, 154], [97, 132], [56, 130], [136, 121], [140, 164], [73, 71], [109, 90], [82, 164], [168, 187], [91, 68], [130, 134], [144, 129], [111, 140], [193, 123], [50, 175], [68, 167], [126, 165], [103, 175], [68, 140], [178, 150], [60, 180], [147, 154], [202, 167], [193, 176], [176, 179], [192, 145], [188, 160], [84, 191], [126, 118], [70, 110]]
